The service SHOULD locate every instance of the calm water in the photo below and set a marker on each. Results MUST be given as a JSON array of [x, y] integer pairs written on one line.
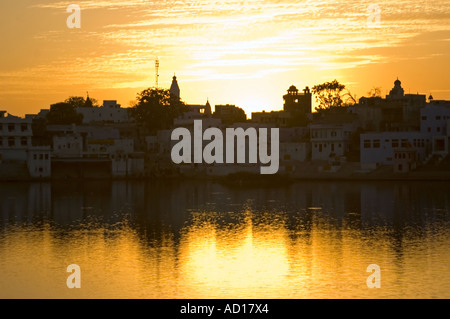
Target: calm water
[[206, 240]]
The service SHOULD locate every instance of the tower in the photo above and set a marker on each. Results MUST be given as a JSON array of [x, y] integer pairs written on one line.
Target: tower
[[157, 72], [297, 102], [397, 91], [174, 88]]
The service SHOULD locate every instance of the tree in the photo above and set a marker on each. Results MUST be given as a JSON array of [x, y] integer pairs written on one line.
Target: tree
[[375, 92], [79, 101], [350, 99], [328, 95], [40, 134], [156, 108], [63, 114]]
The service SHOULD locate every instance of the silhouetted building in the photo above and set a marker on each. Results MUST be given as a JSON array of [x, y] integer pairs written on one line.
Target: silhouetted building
[[297, 102], [397, 112], [109, 112], [277, 118], [174, 88], [230, 114], [197, 112], [296, 110]]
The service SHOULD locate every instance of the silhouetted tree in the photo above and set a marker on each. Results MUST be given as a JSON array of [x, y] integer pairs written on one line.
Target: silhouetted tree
[[79, 101], [156, 108], [328, 95], [374, 92], [63, 114], [230, 114], [350, 99]]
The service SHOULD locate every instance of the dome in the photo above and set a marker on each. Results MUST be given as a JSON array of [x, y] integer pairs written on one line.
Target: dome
[[293, 88]]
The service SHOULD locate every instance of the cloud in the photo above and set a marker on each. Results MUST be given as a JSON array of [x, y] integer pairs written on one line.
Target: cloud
[[208, 39]]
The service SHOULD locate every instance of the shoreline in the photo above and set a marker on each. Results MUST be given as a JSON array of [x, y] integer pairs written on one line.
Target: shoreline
[[246, 178]]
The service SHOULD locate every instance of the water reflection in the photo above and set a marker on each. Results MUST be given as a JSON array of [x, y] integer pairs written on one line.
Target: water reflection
[[205, 240]]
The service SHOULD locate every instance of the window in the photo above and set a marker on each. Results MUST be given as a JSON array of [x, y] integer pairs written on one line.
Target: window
[[1, 127], [376, 144], [404, 143], [332, 147], [41, 156], [11, 127], [429, 129], [394, 143], [46, 156], [424, 118], [1, 141], [35, 156], [23, 141], [11, 141], [367, 143], [23, 127], [438, 129], [438, 118], [333, 134]]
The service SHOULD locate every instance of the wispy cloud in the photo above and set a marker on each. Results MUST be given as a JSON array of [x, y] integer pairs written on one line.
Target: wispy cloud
[[210, 39]]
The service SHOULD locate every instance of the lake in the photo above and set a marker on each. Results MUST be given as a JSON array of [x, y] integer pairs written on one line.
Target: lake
[[200, 239]]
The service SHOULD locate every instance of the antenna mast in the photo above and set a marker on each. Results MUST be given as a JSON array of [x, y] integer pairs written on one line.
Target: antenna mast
[[157, 72]]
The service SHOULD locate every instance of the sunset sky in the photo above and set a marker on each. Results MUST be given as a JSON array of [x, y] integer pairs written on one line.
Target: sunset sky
[[243, 52]]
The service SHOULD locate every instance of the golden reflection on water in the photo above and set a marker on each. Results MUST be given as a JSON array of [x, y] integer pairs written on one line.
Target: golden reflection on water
[[240, 260], [250, 256]]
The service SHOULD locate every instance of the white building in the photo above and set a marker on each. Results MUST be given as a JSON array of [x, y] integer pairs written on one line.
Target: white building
[[68, 146], [378, 148], [295, 151], [39, 162], [15, 137], [434, 118], [187, 120], [329, 141], [16, 150], [109, 112], [110, 147]]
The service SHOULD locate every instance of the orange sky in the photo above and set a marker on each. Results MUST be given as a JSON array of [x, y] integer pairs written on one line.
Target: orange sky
[[243, 52]]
